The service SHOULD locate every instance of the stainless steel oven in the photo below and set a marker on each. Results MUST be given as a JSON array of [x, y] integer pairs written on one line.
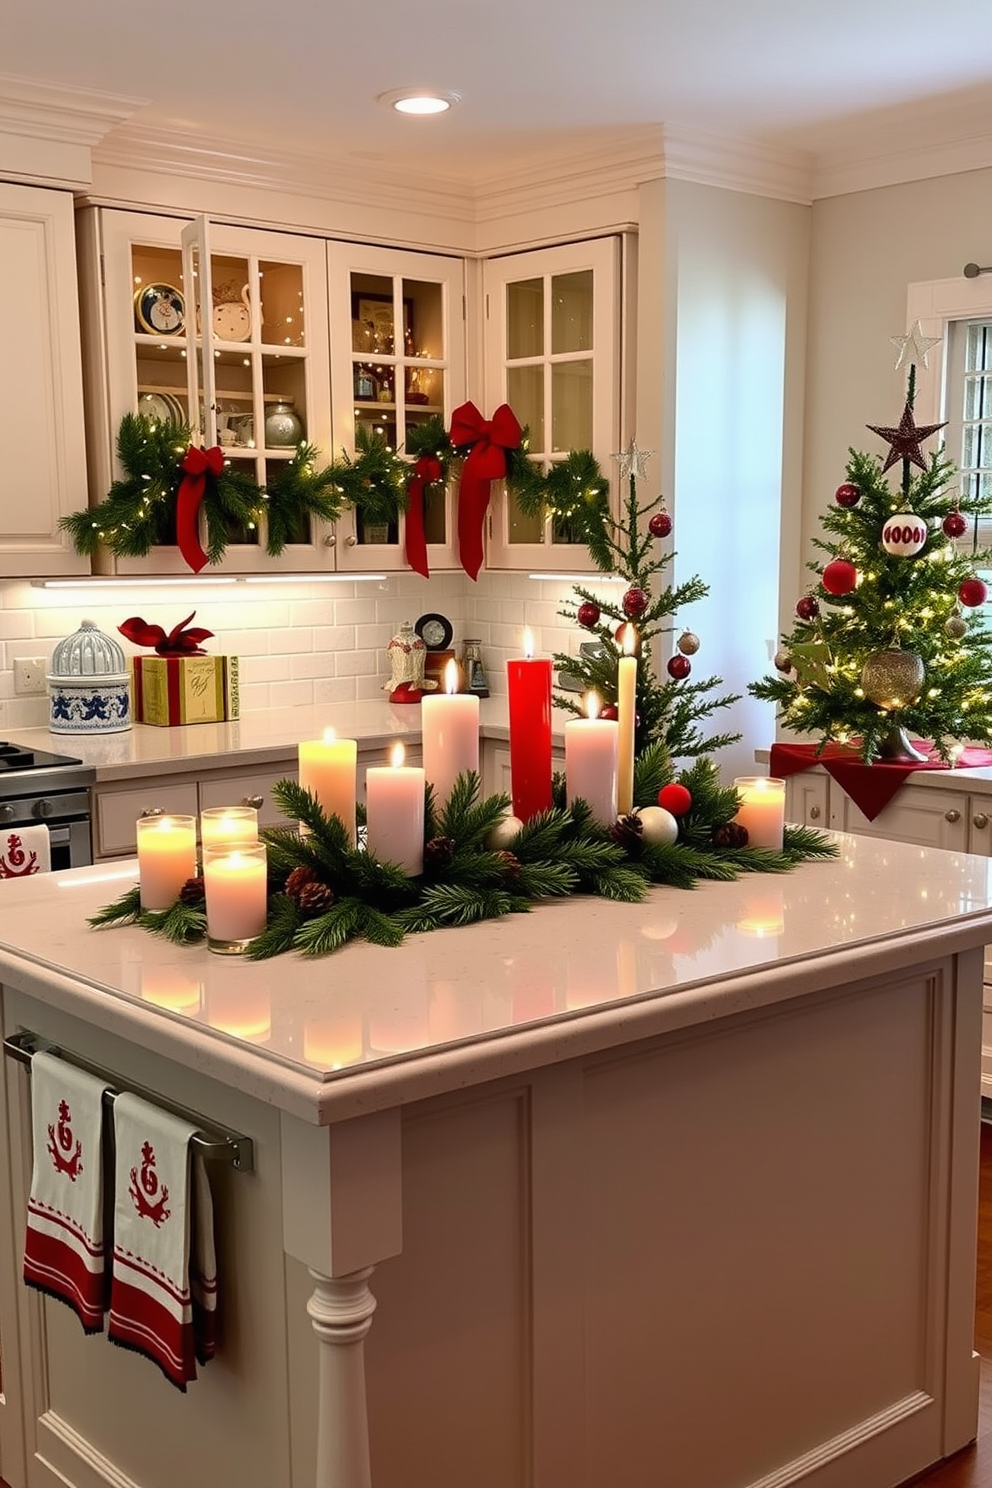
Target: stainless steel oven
[[36, 786]]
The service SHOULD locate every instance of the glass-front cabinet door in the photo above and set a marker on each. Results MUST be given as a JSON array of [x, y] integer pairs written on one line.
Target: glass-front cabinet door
[[225, 329], [397, 360], [552, 353]]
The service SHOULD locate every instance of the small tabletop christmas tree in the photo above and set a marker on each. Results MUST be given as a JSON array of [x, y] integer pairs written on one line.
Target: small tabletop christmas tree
[[888, 641], [669, 712]]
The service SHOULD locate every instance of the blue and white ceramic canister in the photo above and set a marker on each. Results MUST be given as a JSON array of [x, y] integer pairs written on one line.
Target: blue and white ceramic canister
[[89, 686]]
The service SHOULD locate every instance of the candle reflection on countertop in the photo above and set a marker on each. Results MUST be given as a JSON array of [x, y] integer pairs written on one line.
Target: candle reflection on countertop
[[233, 1006], [335, 1039]]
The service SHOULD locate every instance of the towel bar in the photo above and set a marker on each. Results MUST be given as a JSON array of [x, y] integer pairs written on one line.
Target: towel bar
[[215, 1143]]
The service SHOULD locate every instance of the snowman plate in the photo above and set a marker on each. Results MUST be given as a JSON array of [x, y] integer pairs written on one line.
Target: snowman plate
[[160, 310]]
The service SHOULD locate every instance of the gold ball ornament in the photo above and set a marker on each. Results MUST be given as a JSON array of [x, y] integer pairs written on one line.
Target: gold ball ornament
[[688, 643], [504, 833], [658, 826], [956, 626], [892, 678]]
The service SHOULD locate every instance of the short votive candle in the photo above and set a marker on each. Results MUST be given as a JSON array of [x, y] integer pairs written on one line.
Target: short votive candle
[[762, 810], [223, 826], [166, 858], [235, 882]]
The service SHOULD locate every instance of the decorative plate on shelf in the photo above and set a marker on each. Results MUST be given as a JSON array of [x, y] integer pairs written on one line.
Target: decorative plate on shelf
[[160, 310], [157, 406], [435, 631]]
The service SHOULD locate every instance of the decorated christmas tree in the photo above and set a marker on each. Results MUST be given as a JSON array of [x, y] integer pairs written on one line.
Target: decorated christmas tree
[[673, 711], [889, 644]]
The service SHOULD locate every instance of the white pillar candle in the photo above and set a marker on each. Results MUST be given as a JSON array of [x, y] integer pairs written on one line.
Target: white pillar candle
[[328, 770], [450, 731], [394, 803], [626, 720], [762, 810], [166, 858], [591, 753], [235, 883], [222, 826]]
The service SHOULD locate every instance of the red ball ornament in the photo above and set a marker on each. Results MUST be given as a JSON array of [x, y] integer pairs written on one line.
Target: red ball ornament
[[679, 667], [808, 607], [623, 630], [675, 798], [954, 524], [847, 494], [660, 524], [609, 712], [840, 577], [634, 603], [972, 592], [588, 614]]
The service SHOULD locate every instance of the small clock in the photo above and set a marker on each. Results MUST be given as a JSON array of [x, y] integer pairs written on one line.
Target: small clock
[[435, 631], [160, 310], [232, 321]]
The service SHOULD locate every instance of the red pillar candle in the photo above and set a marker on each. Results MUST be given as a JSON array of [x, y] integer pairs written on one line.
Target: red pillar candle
[[529, 687]]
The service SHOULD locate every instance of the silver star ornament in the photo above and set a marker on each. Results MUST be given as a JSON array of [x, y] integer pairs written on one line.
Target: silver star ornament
[[633, 460], [913, 348]]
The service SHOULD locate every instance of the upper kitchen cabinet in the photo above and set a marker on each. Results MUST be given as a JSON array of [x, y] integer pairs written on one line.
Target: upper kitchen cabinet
[[41, 387], [397, 359], [552, 352], [232, 340]]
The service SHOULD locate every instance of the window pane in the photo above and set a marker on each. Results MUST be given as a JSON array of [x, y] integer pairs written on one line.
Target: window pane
[[571, 311], [571, 405], [525, 395], [521, 529], [978, 397], [525, 318]]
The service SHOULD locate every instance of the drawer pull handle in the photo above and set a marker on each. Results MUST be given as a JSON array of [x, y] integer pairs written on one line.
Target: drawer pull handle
[[330, 541], [814, 813], [351, 540], [952, 816], [980, 819], [153, 811], [257, 801]]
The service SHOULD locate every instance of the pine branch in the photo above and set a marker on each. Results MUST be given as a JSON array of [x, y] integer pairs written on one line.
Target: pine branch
[[448, 904], [278, 936], [329, 931], [123, 911], [181, 923]]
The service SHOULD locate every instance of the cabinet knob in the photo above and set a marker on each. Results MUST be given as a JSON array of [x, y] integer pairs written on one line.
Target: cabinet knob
[[980, 819], [814, 813], [330, 541], [153, 811], [351, 540], [952, 816], [257, 801]]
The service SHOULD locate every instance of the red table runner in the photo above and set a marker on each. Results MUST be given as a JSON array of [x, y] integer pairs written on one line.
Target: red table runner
[[870, 787]]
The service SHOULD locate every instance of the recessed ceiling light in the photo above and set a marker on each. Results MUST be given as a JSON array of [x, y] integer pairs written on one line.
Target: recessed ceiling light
[[419, 100]]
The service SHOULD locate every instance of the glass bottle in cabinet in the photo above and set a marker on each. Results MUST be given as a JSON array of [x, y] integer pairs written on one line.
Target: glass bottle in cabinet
[[397, 359], [552, 354], [214, 334]]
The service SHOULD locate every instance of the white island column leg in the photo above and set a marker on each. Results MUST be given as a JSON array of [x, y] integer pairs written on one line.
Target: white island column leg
[[341, 1311]]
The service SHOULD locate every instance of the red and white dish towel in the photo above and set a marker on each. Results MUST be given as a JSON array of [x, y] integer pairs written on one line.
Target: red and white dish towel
[[25, 850], [63, 1244], [163, 1295]]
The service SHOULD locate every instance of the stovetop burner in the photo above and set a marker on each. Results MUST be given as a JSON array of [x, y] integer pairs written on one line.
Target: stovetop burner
[[16, 757]]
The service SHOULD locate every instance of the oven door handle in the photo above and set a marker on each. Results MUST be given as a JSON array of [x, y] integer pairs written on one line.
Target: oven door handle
[[60, 836]]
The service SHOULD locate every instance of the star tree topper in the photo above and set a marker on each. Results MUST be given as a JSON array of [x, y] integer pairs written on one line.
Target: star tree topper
[[633, 460], [914, 348], [904, 442]]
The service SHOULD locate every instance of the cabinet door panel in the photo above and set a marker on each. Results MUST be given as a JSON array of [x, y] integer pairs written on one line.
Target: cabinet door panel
[[933, 818], [117, 812], [807, 799], [254, 789]]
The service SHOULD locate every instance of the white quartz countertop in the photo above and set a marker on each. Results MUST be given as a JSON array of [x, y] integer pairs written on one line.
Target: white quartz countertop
[[368, 1026]]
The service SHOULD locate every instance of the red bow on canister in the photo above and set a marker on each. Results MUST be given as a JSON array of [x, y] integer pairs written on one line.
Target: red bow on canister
[[198, 464], [427, 470], [179, 641], [489, 440]]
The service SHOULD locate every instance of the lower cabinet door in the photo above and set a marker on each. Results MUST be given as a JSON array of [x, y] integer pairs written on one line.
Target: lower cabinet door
[[933, 818]]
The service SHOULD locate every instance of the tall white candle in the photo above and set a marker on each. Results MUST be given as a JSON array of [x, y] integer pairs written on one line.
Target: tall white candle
[[762, 810], [328, 770], [222, 826], [235, 885], [166, 858], [394, 803], [450, 732], [626, 719], [591, 753]]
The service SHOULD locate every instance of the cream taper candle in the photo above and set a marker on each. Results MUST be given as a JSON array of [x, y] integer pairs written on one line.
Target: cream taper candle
[[626, 721]]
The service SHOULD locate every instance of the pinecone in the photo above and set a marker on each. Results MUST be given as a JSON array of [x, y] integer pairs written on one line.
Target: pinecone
[[298, 880], [627, 831], [314, 899], [192, 892], [509, 865], [730, 835], [438, 853]]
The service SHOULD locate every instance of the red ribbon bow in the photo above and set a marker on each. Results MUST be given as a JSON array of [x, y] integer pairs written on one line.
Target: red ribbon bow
[[427, 470], [178, 642], [489, 439], [198, 464]]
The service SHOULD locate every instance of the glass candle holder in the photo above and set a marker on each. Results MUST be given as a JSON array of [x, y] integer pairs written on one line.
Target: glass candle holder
[[166, 858], [225, 826], [235, 882], [762, 810]]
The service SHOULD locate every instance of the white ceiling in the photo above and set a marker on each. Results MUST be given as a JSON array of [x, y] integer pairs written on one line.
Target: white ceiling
[[536, 76]]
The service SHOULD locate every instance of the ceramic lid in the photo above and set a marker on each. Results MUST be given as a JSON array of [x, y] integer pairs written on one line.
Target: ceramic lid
[[88, 653]]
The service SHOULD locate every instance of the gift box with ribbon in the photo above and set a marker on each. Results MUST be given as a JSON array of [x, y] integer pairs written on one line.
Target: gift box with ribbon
[[180, 683]]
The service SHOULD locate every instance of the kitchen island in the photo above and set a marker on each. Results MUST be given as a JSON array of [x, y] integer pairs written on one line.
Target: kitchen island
[[648, 1195]]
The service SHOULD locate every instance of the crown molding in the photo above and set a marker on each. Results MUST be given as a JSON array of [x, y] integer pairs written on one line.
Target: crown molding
[[74, 116], [738, 164]]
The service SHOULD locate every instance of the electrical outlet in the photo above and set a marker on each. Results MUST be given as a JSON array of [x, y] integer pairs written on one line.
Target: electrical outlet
[[29, 674]]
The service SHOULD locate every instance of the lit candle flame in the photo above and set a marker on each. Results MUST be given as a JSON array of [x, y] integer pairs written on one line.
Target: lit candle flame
[[593, 705], [397, 756], [329, 736], [629, 640], [528, 643], [451, 677]]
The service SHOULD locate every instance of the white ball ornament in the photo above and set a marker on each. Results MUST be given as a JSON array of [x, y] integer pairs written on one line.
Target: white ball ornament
[[658, 826], [504, 833], [904, 534]]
